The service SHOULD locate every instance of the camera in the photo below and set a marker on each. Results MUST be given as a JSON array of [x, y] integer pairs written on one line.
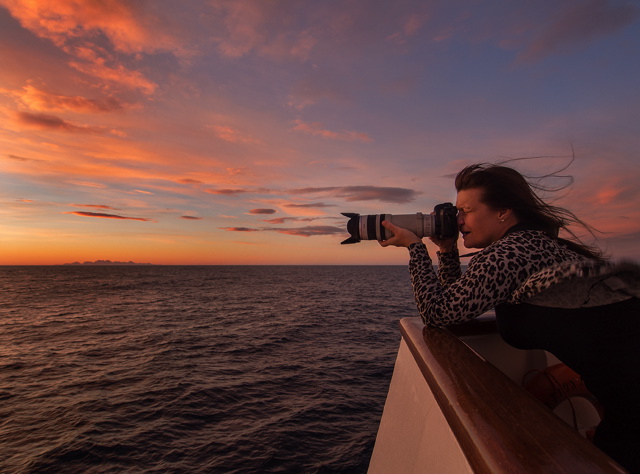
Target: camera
[[441, 224]]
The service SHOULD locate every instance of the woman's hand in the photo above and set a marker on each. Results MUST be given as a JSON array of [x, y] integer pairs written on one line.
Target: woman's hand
[[444, 245], [401, 237]]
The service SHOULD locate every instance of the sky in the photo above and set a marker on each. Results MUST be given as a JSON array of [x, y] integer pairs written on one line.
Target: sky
[[237, 131]]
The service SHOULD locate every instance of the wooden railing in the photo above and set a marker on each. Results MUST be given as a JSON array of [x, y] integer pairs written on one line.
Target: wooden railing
[[499, 426]]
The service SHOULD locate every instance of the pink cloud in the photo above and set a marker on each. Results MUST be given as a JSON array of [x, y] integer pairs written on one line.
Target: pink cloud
[[282, 220], [107, 216], [363, 193], [232, 135], [239, 229], [316, 129], [226, 192], [266, 28], [311, 205], [311, 231], [412, 25], [582, 22], [307, 231]]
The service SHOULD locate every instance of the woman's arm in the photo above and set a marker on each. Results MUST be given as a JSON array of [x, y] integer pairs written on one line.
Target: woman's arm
[[449, 266], [492, 276]]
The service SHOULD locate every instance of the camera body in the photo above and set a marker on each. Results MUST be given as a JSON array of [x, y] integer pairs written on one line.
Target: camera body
[[443, 223]]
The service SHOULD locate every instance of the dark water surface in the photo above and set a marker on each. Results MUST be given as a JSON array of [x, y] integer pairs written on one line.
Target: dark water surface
[[196, 369]]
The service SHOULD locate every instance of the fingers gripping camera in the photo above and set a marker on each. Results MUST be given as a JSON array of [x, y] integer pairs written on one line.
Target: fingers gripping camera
[[441, 224]]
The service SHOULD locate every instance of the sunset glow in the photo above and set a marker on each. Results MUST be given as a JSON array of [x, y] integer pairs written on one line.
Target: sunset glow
[[237, 131]]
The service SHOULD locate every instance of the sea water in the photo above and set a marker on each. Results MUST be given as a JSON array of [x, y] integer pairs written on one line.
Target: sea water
[[145, 368]]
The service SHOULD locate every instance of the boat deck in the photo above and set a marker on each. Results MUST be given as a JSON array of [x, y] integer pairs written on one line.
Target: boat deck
[[450, 409]]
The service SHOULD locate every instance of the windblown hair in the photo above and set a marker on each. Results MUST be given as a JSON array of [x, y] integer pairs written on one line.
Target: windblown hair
[[505, 188]]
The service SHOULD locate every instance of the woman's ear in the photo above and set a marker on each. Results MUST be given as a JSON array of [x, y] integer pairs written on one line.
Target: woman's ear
[[504, 214]]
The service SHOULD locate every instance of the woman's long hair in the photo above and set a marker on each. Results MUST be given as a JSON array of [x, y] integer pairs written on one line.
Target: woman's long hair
[[506, 188]]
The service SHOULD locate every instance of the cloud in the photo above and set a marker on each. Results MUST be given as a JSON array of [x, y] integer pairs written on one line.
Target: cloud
[[107, 216], [102, 36], [262, 211], [193, 218], [308, 231], [96, 206], [88, 184], [40, 100], [239, 229], [312, 205], [21, 158], [53, 122], [282, 220], [189, 181], [226, 192], [349, 193], [129, 27], [364, 193], [410, 28], [118, 74], [320, 86], [265, 28], [316, 129], [232, 135], [581, 23]]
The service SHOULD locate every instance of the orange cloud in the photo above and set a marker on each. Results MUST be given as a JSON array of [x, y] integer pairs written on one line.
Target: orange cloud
[[118, 74], [78, 28], [317, 130], [39, 100], [128, 28]]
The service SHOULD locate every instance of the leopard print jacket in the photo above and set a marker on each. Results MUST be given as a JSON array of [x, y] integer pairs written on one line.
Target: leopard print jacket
[[524, 265]]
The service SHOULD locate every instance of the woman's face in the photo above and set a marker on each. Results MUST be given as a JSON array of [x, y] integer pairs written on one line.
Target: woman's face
[[478, 223]]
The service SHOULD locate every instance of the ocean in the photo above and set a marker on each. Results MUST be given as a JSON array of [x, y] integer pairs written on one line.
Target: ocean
[[216, 369]]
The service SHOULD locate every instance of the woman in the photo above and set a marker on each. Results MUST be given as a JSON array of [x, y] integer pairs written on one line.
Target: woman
[[548, 292]]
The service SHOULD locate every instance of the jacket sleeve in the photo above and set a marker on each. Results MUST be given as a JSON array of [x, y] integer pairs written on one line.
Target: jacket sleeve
[[449, 267], [490, 279]]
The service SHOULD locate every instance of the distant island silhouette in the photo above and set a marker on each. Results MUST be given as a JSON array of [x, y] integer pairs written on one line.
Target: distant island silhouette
[[107, 262]]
